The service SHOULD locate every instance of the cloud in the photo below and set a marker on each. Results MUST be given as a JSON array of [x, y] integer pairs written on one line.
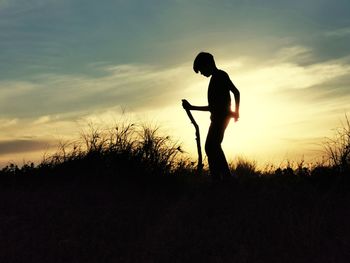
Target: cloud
[[293, 76], [284, 72], [5, 123], [23, 146], [340, 32], [291, 54], [11, 89], [42, 120], [135, 86], [140, 87]]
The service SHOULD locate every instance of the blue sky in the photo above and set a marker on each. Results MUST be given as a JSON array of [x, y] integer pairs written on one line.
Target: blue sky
[[65, 61]]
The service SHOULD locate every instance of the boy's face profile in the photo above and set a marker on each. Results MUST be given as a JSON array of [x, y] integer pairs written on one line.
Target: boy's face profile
[[205, 64], [205, 70]]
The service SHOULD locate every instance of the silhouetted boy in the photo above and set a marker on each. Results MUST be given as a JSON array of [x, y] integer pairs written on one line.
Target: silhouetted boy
[[219, 105]]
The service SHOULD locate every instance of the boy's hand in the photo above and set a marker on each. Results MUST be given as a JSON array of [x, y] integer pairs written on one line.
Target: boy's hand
[[235, 115], [186, 105]]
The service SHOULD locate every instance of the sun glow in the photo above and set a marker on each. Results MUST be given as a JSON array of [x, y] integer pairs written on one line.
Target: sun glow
[[275, 124]]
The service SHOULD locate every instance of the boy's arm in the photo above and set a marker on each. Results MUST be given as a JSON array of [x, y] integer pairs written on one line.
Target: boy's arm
[[188, 106], [237, 96], [200, 108]]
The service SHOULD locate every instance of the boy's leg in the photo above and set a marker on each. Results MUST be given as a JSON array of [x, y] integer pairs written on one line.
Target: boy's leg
[[216, 157], [211, 148], [223, 165]]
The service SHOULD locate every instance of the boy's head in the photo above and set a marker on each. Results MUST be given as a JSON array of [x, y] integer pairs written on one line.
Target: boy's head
[[204, 62]]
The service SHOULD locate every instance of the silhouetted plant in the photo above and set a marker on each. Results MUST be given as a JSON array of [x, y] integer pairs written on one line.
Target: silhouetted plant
[[159, 153], [185, 166], [322, 170], [302, 169], [244, 167], [338, 148], [14, 170], [127, 148], [11, 169]]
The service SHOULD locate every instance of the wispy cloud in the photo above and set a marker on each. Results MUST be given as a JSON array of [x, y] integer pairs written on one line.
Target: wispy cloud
[[288, 75], [296, 54], [340, 32], [134, 86], [22, 146], [5, 123], [286, 70], [43, 119]]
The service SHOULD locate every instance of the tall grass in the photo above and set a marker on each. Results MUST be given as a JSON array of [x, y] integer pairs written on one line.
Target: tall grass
[[244, 167], [127, 149], [338, 148]]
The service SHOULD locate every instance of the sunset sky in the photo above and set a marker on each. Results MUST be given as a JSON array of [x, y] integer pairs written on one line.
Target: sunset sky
[[64, 63]]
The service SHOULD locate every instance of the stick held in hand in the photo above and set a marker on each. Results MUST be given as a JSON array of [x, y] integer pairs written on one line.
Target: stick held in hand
[[185, 105]]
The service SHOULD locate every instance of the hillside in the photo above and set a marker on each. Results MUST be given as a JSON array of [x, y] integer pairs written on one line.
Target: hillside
[[175, 219]]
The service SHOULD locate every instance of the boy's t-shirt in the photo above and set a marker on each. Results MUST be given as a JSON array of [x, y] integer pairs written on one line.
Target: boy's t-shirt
[[219, 99]]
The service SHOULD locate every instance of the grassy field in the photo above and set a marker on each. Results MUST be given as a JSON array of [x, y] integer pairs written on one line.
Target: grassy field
[[128, 199]]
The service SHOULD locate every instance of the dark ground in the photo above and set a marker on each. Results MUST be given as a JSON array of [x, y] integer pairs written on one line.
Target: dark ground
[[183, 219]]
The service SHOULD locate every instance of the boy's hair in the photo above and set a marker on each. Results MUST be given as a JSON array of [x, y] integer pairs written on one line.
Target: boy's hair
[[203, 59]]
